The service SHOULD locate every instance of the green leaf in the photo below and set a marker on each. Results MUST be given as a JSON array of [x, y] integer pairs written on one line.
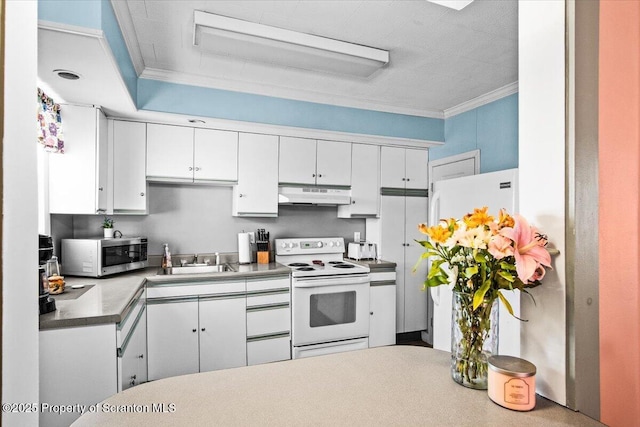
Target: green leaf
[[470, 271], [508, 306], [478, 297], [506, 275], [479, 257]]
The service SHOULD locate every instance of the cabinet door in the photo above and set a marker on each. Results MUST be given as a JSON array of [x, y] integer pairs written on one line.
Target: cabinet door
[[392, 247], [333, 163], [133, 361], [215, 155], [382, 303], [257, 191], [169, 153], [129, 172], [416, 169], [297, 161], [392, 172], [365, 180], [172, 338], [223, 333], [415, 299], [73, 176]]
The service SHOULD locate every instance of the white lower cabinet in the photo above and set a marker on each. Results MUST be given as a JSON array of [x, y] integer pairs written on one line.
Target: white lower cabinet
[[382, 303], [172, 338], [196, 327], [222, 333], [268, 320], [77, 367]]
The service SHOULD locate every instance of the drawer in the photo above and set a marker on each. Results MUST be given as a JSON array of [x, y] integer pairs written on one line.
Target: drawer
[[195, 289], [268, 350], [382, 276], [268, 299], [266, 284], [265, 321]]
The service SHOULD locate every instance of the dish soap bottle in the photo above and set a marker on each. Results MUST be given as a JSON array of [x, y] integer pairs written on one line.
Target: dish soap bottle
[[166, 257]]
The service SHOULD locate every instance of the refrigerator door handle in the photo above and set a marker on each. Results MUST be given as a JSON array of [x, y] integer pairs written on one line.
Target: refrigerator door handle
[[433, 220]]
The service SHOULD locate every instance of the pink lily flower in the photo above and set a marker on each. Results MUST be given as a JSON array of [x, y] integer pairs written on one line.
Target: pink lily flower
[[500, 246], [529, 250]]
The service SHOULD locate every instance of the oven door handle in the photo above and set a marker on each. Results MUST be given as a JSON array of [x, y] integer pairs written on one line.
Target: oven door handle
[[314, 282]]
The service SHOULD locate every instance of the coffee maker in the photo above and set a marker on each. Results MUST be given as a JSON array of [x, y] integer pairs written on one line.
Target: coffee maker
[[45, 252]]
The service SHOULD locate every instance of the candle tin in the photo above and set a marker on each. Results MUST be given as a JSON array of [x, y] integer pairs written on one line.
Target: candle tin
[[512, 382]]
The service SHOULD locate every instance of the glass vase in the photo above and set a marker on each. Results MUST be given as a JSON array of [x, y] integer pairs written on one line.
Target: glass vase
[[474, 338]]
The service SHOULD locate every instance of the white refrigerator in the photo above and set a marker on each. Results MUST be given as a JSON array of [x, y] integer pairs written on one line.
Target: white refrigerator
[[453, 198]]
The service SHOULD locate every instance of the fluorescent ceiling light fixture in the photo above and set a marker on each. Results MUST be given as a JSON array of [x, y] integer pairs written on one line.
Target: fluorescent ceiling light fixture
[[453, 4], [226, 36]]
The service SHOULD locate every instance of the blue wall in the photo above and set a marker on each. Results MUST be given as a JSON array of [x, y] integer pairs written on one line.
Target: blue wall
[[160, 96], [491, 128]]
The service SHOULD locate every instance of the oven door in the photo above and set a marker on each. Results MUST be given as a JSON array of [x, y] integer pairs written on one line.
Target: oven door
[[330, 308]]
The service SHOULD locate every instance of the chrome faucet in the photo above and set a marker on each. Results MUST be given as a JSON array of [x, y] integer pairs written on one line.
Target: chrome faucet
[[217, 258], [195, 258]]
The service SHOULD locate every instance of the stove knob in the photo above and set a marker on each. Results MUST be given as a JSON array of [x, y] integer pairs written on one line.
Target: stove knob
[[284, 245], [338, 243], [319, 244], [332, 244]]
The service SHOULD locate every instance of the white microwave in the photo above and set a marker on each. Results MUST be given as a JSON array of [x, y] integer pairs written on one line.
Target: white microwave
[[102, 257]]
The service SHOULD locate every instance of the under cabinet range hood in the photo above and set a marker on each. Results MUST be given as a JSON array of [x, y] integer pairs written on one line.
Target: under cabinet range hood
[[313, 196]]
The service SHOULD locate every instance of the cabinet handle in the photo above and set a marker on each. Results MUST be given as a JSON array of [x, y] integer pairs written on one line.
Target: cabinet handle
[[408, 179], [194, 330], [404, 179], [240, 195], [132, 383], [202, 329], [142, 194], [100, 188], [101, 211], [133, 377], [197, 168], [319, 175], [371, 313], [353, 202], [313, 175], [190, 168], [141, 356]]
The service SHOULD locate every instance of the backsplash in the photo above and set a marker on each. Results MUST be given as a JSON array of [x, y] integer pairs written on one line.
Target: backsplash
[[197, 219]]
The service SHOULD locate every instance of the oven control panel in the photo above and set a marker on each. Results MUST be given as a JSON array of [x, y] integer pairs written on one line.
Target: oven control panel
[[324, 245]]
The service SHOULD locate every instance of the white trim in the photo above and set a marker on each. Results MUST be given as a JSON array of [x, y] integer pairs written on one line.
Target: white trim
[[481, 100], [255, 88], [473, 154], [71, 29], [112, 59], [249, 127], [125, 22]]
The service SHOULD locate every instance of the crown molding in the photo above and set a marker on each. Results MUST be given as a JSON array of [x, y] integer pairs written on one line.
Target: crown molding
[[481, 100], [257, 88], [123, 16]]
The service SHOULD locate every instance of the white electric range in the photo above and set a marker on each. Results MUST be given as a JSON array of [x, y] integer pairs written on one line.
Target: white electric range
[[329, 296]]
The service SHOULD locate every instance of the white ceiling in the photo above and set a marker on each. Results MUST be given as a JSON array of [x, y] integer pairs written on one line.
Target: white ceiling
[[440, 57]]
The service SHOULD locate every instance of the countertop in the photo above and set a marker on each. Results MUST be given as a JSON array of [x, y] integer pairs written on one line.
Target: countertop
[[375, 264], [109, 299], [396, 385]]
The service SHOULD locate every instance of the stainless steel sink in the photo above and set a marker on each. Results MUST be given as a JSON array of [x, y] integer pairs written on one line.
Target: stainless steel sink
[[198, 268]]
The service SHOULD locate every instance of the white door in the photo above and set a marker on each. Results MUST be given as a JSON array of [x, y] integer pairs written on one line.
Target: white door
[[365, 191], [169, 153], [223, 333], [257, 191], [392, 172], [129, 173], [415, 299], [297, 160], [392, 247], [382, 304], [333, 163], [172, 338], [215, 154], [416, 169]]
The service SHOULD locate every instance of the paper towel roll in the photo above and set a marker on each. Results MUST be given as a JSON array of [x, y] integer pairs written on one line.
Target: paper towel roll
[[244, 248]]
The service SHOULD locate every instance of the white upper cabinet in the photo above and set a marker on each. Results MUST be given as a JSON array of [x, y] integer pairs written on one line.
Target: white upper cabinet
[[257, 191], [215, 155], [404, 168], [311, 162], [129, 172], [184, 154], [365, 182], [169, 153], [78, 178]]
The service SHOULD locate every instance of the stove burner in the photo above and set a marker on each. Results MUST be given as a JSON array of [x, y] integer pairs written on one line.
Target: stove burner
[[344, 266], [298, 264], [305, 269], [336, 262]]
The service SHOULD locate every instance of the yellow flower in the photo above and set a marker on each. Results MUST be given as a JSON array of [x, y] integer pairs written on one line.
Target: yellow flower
[[505, 220], [437, 233], [478, 217]]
